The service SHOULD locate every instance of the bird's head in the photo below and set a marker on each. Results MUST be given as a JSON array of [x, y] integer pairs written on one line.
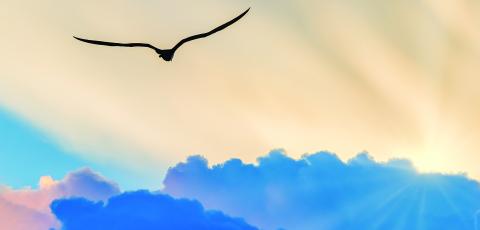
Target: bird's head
[[167, 55]]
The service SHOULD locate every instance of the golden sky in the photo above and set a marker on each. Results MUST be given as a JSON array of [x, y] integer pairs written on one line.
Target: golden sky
[[394, 78]]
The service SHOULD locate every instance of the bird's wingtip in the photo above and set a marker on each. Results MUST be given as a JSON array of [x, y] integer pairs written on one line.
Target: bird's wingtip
[[246, 11]]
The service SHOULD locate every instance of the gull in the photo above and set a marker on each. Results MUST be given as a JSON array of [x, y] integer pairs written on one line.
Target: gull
[[166, 54]]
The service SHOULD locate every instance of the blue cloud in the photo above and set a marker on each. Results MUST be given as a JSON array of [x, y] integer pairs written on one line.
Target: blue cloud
[[86, 183], [319, 191], [142, 210]]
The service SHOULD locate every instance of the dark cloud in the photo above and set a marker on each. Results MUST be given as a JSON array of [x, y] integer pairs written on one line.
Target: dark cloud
[[142, 210], [319, 191]]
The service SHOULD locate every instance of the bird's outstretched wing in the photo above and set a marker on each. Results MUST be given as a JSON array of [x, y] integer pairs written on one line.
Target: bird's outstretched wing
[[117, 44], [198, 36]]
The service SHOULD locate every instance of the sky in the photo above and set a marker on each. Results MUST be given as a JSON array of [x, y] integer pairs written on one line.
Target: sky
[[26, 148], [396, 79], [27, 153]]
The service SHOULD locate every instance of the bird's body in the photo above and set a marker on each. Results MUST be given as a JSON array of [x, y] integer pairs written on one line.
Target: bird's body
[[166, 54]]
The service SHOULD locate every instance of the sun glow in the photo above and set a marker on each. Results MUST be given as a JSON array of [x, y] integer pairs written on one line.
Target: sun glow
[[396, 79]]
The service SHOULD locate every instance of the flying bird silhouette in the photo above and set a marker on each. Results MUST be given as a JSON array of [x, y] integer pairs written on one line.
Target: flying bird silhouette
[[167, 54]]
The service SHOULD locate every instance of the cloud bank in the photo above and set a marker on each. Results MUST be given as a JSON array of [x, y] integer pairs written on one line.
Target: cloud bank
[[29, 208], [319, 191], [142, 210]]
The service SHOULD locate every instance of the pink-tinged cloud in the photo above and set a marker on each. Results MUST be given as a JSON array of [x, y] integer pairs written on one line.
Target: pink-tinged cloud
[[18, 217], [28, 209]]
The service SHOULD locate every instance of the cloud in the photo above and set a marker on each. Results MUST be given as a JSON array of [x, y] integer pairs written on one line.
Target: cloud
[[17, 217], [319, 191], [142, 210], [29, 208]]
